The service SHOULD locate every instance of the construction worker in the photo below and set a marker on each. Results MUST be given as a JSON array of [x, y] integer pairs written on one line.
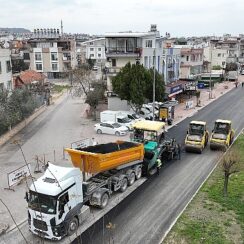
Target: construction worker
[[159, 165]]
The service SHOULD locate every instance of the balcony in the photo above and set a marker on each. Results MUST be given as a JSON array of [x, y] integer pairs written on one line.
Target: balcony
[[123, 52], [66, 59], [231, 59], [241, 59], [113, 71]]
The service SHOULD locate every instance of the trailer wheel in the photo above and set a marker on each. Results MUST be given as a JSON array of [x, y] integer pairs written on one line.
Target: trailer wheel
[[138, 173], [124, 184], [132, 179], [104, 200], [73, 226], [99, 131]]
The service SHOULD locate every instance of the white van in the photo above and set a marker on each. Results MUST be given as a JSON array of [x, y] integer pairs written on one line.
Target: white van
[[116, 117]]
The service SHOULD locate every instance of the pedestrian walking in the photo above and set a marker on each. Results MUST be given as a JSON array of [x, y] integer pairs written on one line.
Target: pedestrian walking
[[242, 84], [236, 83], [159, 165]]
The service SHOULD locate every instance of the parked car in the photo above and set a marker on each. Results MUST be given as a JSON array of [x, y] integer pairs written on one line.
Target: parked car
[[242, 72], [116, 117], [131, 115], [110, 128], [144, 113], [95, 68]]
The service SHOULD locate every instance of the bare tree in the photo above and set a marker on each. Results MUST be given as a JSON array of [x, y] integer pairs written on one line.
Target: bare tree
[[82, 76], [230, 166]]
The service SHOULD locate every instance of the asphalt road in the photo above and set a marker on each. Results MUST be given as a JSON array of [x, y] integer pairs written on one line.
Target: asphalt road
[[146, 214]]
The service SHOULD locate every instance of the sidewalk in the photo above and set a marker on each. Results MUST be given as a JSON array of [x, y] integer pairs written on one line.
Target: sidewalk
[[220, 89]]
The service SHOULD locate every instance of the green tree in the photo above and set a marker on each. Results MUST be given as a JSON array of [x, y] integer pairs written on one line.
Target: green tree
[[216, 67], [231, 67], [134, 83]]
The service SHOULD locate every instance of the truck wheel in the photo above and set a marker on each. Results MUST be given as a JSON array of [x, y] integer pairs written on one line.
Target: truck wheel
[[73, 226], [117, 133], [99, 131], [124, 185], [132, 179], [104, 200], [138, 173]]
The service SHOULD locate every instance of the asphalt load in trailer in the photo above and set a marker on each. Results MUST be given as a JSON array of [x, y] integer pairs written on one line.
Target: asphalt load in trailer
[[108, 147]]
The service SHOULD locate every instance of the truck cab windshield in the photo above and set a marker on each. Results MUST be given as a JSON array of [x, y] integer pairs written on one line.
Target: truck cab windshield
[[43, 203]]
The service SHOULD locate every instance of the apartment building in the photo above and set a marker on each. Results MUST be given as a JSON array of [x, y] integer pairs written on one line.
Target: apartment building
[[215, 57], [133, 47], [95, 50], [170, 62], [52, 54], [191, 62], [5, 69]]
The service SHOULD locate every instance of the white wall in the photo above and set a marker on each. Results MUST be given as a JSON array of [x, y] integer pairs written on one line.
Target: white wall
[[5, 77]]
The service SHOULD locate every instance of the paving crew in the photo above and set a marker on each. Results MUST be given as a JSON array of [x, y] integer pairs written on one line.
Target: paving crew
[[159, 165]]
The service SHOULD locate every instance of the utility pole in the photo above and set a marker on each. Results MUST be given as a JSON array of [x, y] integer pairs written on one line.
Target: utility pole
[[154, 74], [210, 78]]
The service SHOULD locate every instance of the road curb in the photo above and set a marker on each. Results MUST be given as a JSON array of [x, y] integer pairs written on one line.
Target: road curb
[[198, 189]]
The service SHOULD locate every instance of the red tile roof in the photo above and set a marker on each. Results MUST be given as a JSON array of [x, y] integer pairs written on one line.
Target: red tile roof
[[27, 77]]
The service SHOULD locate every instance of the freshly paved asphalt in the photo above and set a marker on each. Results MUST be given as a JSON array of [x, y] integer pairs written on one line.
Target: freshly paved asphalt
[[146, 214]]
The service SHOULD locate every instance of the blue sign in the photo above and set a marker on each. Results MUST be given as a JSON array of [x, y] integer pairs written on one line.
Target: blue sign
[[201, 85], [175, 89]]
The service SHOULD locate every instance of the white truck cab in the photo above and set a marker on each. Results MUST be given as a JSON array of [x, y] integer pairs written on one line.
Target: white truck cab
[[54, 202]]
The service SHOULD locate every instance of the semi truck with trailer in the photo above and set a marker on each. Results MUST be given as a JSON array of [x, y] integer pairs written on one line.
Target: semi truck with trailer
[[56, 199]]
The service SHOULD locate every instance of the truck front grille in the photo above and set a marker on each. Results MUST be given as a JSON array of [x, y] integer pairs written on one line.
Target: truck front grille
[[39, 224]]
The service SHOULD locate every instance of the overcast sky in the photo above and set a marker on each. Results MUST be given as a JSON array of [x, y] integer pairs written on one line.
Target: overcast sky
[[178, 17]]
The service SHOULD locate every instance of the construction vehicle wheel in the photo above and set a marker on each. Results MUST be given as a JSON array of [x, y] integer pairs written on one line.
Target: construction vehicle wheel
[[138, 173], [132, 179], [124, 184], [73, 226], [104, 200]]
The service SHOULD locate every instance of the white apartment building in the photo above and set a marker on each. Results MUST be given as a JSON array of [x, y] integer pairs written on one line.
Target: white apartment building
[[5, 69], [215, 56], [95, 49], [133, 47]]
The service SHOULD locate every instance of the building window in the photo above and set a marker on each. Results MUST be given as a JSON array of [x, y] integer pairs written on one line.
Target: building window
[[54, 66], [8, 66], [99, 55], [9, 85], [219, 54], [99, 49], [0, 68], [146, 61], [54, 56], [113, 62], [148, 43], [92, 55], [91, 43], [38, 66], [38, 56], [26, 56], [91, 49], [187, 58]]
